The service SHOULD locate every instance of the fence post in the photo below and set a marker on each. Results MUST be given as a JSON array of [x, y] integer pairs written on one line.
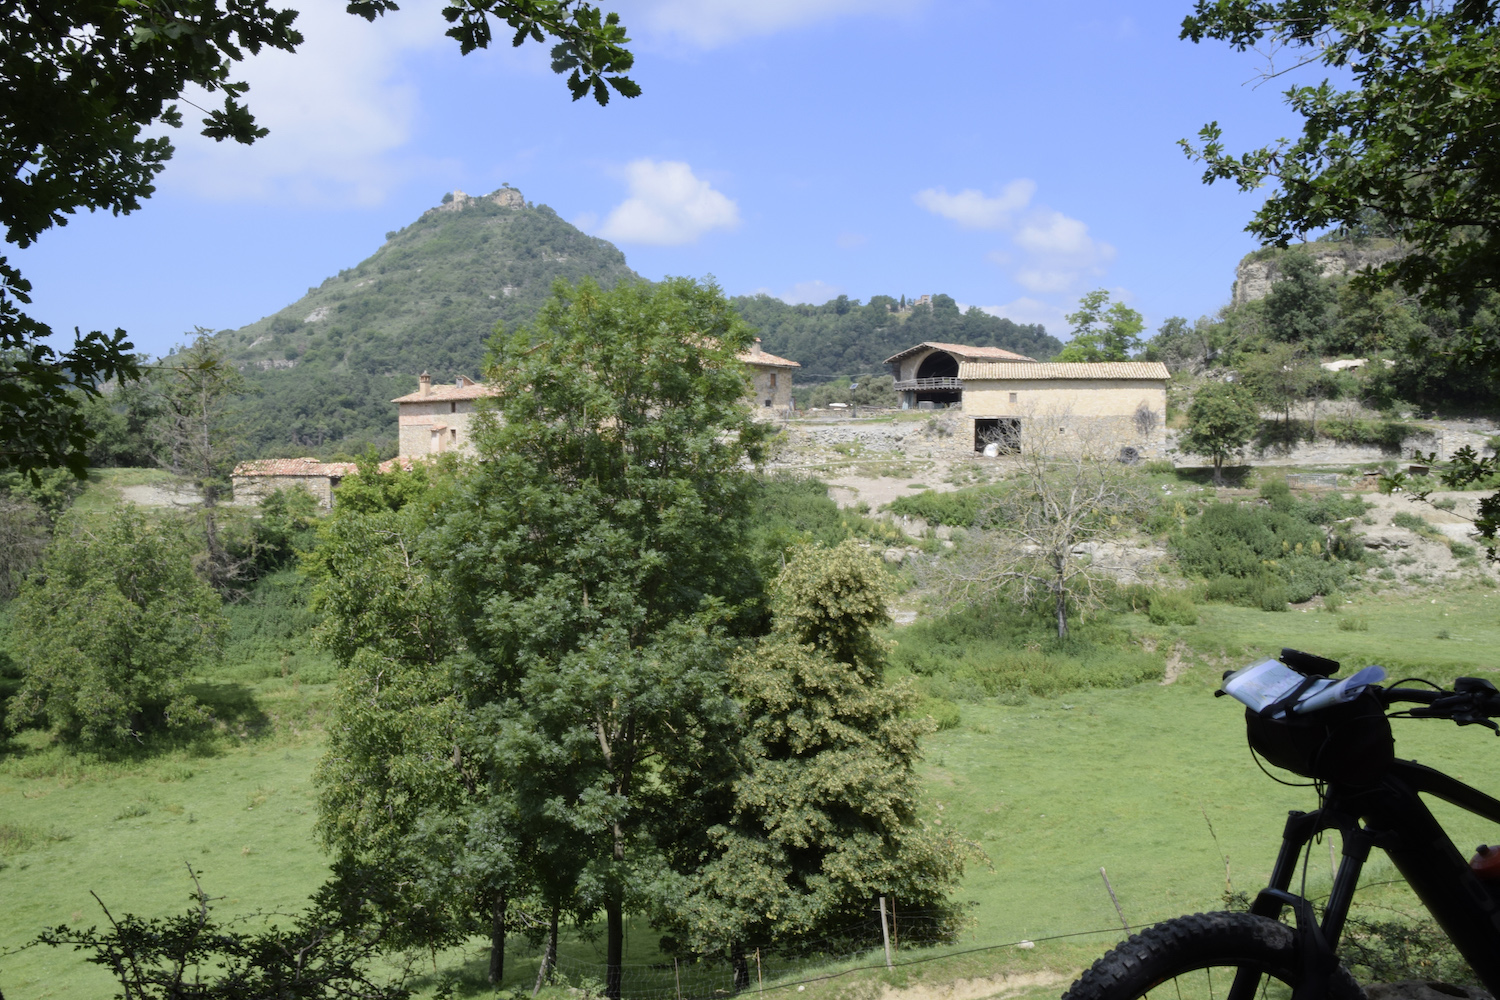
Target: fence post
[[677, 972], [759, 982], [885, 934], [1112, 899], [896, 925]]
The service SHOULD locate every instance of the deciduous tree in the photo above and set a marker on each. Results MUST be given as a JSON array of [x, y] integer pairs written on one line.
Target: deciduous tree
[[1102, 331], [1068, 489], [111, 628], [1221, 420]]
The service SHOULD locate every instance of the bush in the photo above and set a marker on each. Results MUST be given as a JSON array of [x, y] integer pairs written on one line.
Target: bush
[[960, 508], [998, 647], [1265, 556], [110, 629], [1172, 607]]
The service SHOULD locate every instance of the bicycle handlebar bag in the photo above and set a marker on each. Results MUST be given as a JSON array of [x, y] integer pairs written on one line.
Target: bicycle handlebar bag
[[1349, 743]]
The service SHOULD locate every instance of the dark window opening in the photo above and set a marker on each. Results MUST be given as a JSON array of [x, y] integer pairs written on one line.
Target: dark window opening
[[1005, 432], [452, 407]]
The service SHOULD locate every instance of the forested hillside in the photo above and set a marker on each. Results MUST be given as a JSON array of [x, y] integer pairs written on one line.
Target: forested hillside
[[324, 369], [843, 337]]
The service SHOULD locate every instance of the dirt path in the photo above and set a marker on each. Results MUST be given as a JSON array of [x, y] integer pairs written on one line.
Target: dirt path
[[999, 987]]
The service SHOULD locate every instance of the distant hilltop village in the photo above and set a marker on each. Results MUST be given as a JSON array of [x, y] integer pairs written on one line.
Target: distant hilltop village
[[506, 197]]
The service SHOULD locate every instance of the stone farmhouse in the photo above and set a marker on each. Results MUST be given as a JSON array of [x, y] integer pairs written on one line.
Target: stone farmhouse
[[999, 393], [437, 418]]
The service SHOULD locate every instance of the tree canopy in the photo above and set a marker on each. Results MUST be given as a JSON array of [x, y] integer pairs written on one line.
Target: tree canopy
[[1412, 140], [1102, 331]]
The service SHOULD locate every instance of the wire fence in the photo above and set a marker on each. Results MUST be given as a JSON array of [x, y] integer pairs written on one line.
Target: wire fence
[[916, 938]]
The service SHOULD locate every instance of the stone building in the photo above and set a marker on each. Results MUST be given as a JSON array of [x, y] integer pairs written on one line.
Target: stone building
[[927, 375], [254, 481], [436, 418], [1117, 405], [771, 382]]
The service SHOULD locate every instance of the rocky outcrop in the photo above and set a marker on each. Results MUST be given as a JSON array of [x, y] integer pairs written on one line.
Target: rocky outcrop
[[1257, 272]]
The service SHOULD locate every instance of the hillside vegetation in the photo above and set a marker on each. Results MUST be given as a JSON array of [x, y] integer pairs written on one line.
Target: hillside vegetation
[[323, 370]]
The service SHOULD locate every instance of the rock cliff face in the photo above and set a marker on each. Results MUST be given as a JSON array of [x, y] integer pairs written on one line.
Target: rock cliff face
[[1258, 271]]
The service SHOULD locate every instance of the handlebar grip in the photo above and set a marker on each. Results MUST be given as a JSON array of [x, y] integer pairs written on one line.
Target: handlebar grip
[[1307, 663]]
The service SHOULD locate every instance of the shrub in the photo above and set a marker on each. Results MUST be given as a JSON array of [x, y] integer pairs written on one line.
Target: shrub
[[109, 631], [1354, 623], [1160, 467], [1172, 607], [960, 508], [998, 647]]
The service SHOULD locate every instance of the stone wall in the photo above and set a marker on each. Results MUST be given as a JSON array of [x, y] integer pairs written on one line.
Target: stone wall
[[435, 426], [250, 490], [771, 393], [1122, 412]]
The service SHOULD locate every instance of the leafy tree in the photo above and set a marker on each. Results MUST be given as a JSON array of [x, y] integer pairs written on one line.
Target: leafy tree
[[88, 85], [1101, 331], [110, 630], [1299, 308], [1371, 321], [823, 817], [1410, 140], [1184, 347], [1222, 419], [1280, 377]]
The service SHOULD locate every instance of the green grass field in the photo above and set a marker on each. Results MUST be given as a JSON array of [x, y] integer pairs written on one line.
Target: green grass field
[[1050, 789]]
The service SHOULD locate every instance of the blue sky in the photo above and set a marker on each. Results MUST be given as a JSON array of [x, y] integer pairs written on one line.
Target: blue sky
[[1012, 155]]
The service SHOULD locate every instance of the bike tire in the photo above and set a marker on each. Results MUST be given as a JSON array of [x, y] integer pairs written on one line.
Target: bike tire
[[1196, 958]]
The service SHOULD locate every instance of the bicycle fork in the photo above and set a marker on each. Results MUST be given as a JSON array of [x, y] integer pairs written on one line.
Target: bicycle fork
[[1317, 943]]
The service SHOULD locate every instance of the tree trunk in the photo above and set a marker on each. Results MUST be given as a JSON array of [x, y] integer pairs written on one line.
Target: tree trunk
[[1062, 613], [1218, 470], [741, 967], [497, 938], [614, 932], [549, 953]]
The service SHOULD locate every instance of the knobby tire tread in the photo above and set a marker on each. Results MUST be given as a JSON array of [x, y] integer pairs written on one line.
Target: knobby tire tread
[[1158, 953]]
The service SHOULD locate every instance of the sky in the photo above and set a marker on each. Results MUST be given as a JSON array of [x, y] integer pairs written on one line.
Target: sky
[[1011, 155]]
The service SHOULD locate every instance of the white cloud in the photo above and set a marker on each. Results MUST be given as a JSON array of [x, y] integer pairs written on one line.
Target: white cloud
[[711, 23], [339, 110], [1060, 252], [971, 209], [667, 206]]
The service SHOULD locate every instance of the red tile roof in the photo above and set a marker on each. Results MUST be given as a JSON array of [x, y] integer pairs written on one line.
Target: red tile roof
[[766, 360], [444, 393], [295, 467]]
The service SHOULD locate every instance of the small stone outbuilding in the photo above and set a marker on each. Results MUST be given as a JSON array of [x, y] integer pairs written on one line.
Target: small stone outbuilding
[[254, 481]]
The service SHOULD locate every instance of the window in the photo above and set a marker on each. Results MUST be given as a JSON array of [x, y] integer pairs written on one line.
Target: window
[[773, 381], [453, 407], [1013, 398]]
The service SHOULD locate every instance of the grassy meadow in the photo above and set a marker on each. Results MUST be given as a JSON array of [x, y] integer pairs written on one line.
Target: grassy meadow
[[1151, 781]]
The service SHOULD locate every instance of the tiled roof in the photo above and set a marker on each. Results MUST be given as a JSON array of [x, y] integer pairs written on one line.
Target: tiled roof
[[971, 371], [294, 467], [962, 351], [768, 360], [445, 393]]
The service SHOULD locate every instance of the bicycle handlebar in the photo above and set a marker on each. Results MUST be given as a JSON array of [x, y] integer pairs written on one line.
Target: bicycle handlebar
[[1473, 701]]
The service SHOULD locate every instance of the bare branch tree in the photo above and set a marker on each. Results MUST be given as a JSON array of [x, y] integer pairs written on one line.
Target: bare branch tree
[[1068, 488]]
